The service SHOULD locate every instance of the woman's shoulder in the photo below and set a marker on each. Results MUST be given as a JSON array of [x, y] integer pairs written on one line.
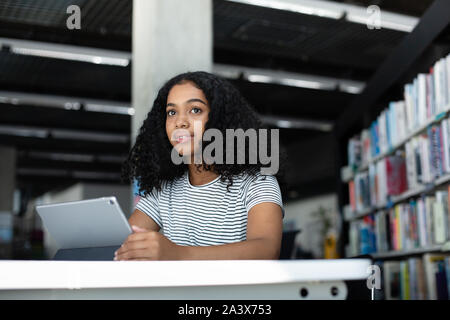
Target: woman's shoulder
[[256, 176], [249, 180]]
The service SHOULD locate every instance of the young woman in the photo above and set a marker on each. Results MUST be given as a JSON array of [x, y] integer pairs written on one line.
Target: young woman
[[205, 210]]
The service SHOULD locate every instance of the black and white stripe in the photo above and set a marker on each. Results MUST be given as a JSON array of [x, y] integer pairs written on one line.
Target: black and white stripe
[[208, 215]]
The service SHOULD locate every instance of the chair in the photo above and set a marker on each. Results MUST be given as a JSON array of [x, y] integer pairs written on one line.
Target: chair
[[288, 243]]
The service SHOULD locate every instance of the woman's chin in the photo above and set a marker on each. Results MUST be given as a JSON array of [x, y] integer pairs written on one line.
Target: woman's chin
[[185, 150]]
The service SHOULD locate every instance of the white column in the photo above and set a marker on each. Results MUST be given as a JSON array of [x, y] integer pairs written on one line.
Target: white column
[[169, 37]]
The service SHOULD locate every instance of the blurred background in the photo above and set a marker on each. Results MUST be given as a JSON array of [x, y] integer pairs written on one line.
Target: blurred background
[[71, 99]]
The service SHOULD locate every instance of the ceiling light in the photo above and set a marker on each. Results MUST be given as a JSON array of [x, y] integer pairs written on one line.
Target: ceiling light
[[387, 20], [24, 131], [35, 132], [284, 124], [334, 10], [67, 52], [296, 123], [94, 107], [290, 78], [293, 82], [297, 6], [67, 103]]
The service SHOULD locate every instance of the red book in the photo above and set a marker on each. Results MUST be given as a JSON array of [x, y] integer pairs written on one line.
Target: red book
[[396, 175], [351, 190]]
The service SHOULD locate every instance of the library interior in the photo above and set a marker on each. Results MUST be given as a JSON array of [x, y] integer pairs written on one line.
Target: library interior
[[358, 92]]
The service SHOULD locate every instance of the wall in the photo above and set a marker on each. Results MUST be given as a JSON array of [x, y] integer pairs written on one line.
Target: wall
[[299, 215]]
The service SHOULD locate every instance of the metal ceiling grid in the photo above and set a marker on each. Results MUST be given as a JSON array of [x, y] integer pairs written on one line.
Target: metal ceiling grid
[[303, 37], [99, 16], [60, 77]]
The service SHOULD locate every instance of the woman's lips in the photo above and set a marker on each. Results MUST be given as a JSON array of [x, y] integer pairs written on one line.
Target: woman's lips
[[184, 138]]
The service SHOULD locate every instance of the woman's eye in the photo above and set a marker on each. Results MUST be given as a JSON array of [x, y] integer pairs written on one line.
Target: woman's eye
[[196, 110], [170, 112]]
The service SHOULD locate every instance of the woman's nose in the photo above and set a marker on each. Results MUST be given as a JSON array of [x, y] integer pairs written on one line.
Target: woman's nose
[[182, 122]]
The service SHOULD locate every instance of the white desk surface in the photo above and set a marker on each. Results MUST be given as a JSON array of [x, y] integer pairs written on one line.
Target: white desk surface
[[38, 274]]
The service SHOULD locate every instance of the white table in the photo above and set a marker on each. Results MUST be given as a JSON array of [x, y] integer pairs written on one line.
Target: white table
[[180, 280]]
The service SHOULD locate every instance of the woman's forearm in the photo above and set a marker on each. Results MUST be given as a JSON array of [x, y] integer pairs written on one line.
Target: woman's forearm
[[245, 250]]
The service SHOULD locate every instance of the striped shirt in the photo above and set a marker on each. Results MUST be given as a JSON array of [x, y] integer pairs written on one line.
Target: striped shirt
[[208, 215]]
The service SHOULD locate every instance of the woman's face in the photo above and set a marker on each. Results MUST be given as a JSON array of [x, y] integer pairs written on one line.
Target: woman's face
[[186, 113]]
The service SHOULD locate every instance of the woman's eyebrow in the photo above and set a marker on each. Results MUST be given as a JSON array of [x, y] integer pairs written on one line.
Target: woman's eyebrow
[[196, 100], [187, 102]]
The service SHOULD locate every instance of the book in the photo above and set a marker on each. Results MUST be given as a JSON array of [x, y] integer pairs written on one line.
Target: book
[[439, 217], [404, 281], [447, 68], [365, 142], [396, 174], [429, 201], [421, 293], [441, 280], [447, 272], [414, 228], [445, 145], [422, 222], [381, 232], [391, 280], [412, 278], [351, 188], [431, 269], [422, 96], [448, 213]]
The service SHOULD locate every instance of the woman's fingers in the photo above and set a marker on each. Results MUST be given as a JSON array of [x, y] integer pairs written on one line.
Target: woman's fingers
[[138, 229], [132, 245], [143, 254]]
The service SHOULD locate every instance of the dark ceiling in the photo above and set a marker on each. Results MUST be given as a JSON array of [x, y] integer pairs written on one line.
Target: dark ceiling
[[244, 35]]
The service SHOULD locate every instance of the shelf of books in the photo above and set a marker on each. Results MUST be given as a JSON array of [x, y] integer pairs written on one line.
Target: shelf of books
[[398, 177]]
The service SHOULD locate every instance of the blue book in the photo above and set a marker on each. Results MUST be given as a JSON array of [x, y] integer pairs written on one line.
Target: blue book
[[440, 160], [375, 138], [388, 130], [377, 134], [372, 140], [393, 123], [447, 272], [365, 239], [441, 281]]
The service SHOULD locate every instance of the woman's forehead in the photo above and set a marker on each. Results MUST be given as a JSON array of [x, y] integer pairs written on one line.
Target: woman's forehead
[[181, 93]]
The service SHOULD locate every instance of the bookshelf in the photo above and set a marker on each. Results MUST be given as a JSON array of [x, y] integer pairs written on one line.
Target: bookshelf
[[427, 189], [415, 55], [347, 172], [403, 253]]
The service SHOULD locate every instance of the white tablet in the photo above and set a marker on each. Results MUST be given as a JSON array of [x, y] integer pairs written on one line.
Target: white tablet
[[86, 223]]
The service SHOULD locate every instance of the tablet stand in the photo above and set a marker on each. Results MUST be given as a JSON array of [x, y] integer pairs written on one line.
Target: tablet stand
[[91, 254]]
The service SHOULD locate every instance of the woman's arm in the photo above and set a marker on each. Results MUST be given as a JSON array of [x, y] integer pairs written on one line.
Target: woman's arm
[[141, 220], [264, 231]]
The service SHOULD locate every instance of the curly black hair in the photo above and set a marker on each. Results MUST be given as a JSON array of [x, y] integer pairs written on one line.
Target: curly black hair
[[149, 161]]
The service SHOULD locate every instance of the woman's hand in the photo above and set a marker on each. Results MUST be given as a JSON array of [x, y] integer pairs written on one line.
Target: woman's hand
[[147, 245]]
